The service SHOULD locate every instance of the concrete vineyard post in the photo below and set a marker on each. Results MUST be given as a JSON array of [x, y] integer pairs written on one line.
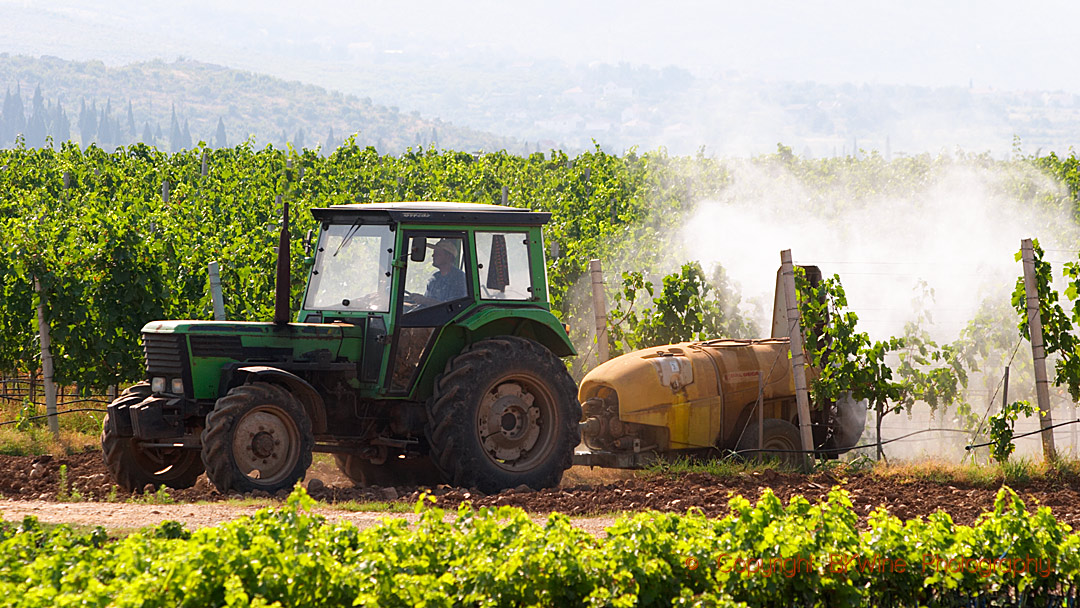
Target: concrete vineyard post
[[46, 362], [281, 284], [760, 411], [1005, 389], [798, 355], [1038, 349], [599, 310], [215, 292]]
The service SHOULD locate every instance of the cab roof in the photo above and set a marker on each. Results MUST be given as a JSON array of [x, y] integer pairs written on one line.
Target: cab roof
[[431, 212]]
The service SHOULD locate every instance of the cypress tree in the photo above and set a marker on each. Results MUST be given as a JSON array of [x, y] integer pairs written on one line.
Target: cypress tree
[[176, 137], [61, 125], [219, 136], [130, 122], [7, 131], [18, 116], [331, 144], [186, 141], [38, 103], [104, 131], [35, 130], [88, 123]]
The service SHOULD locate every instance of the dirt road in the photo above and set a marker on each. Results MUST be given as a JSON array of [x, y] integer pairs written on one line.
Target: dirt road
[[30, 485]]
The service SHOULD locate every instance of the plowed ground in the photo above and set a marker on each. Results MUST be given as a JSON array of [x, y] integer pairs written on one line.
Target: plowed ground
[[38, 479]]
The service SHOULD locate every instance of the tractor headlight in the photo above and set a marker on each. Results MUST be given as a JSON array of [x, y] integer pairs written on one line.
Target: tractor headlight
[[177, 386], [157, 385]]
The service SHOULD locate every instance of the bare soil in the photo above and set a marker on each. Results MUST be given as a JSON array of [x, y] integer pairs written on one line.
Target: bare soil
[[30, 485]]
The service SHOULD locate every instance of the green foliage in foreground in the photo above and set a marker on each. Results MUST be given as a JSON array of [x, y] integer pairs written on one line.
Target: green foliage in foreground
[[763, 555]]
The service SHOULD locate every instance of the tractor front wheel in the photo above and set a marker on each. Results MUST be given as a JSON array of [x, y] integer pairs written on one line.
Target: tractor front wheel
[[257, 438], [504, 413], [133, 467]]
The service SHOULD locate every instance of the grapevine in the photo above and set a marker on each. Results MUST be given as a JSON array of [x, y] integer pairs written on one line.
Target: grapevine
[[846, 360], [764, 554], [120, 238]]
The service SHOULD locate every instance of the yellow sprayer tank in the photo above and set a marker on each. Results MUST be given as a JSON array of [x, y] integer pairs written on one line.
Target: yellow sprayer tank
[[695, 396]]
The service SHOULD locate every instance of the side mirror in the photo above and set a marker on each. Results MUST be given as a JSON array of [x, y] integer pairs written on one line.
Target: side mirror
[[419, 249], [308, 242], [498, 267]]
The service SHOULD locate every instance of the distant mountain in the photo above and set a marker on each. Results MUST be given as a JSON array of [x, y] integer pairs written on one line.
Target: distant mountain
[[176, 105]]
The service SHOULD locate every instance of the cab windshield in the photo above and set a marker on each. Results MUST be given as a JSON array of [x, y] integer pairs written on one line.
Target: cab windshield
[[352, 269]]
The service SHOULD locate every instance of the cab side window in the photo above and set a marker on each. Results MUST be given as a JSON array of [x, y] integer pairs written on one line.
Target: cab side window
[[439, 277], [503, 265]]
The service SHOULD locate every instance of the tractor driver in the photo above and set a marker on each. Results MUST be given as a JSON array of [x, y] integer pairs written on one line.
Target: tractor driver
[[449, 282]]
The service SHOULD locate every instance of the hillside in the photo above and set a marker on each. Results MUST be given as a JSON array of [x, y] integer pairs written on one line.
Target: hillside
[[176, 105]]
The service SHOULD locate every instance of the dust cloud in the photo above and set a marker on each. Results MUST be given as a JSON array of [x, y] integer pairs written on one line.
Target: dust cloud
[[946, 247], [957, 235]]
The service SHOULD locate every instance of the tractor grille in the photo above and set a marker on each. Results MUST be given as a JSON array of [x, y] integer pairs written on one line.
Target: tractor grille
[[164, 355], [228, 347]]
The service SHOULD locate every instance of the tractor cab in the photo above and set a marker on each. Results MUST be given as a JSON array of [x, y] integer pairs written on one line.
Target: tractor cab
[[403, 272]]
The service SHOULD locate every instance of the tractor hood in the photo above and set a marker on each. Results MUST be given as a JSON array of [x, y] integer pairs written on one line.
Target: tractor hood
[[251, 341], [197, 351], [244, 328]]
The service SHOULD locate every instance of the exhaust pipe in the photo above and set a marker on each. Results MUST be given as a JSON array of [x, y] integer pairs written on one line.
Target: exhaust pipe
[[284, 280]]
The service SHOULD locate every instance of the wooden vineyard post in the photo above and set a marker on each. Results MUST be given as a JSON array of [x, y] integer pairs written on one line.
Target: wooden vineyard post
[[46, 362], [798, 355], [599, 310], [1038, 350]]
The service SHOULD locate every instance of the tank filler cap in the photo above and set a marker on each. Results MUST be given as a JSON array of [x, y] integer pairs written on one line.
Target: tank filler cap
[[674, 372]]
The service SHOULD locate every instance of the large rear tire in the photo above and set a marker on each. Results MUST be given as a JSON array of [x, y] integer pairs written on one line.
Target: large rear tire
[[781, 441], [394, 472], [133, 468], [504, 413], [257, 438]]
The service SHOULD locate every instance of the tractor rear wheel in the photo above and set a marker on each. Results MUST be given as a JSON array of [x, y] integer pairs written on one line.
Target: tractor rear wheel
[[257, 438], [504, 413], [781, 441], [418, 471], [133, 467]]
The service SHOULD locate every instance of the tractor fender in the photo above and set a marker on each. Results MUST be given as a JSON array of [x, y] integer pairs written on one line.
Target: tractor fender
[[300, 388], [535, 324]]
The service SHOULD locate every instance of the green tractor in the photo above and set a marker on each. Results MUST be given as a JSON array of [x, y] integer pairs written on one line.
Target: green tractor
[[424, 352]]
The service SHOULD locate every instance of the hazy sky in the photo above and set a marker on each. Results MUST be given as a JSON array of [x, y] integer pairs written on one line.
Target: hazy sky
[[1004, 45], [999, 44]]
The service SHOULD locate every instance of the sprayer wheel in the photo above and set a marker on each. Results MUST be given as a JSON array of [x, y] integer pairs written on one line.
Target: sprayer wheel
[[778, 435]]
